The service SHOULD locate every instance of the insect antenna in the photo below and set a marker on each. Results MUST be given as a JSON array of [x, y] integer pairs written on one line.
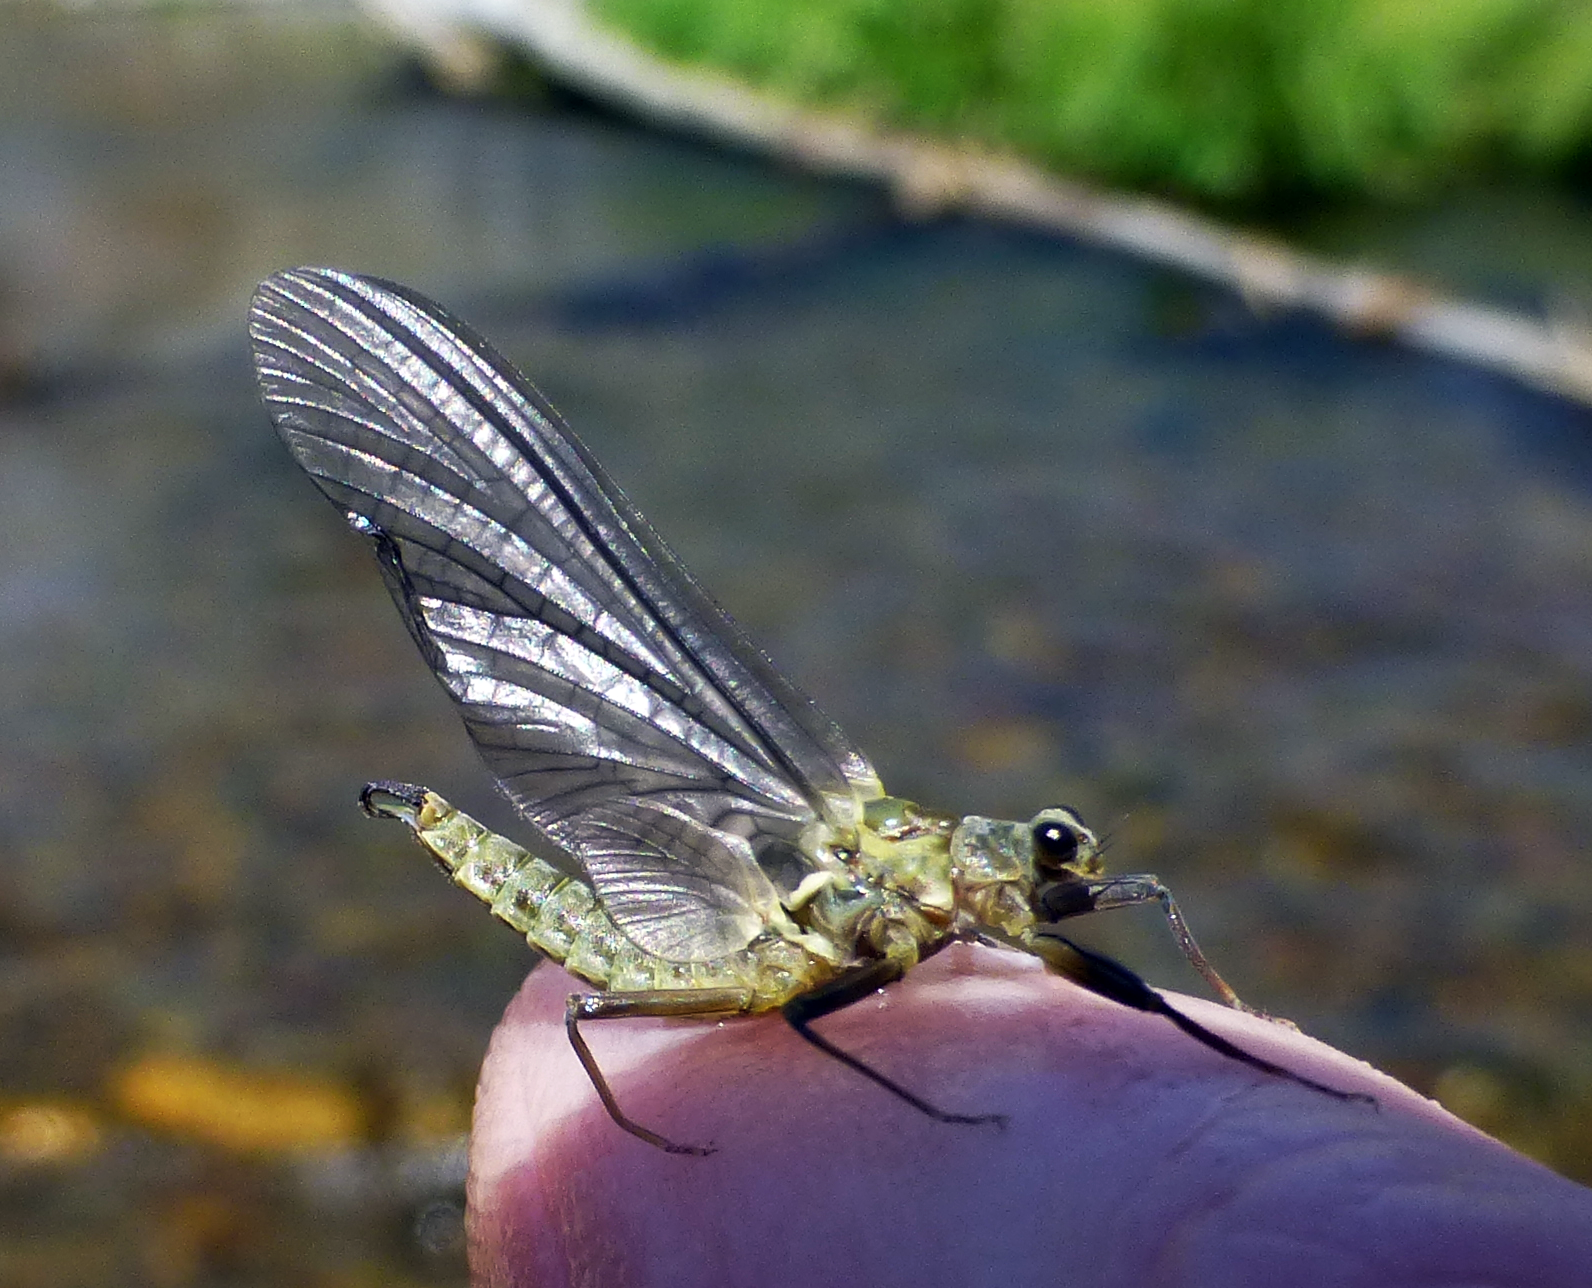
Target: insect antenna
[[1107, 838]]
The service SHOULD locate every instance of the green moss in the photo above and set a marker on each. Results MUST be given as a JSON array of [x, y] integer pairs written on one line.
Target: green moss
[[1237, 102]]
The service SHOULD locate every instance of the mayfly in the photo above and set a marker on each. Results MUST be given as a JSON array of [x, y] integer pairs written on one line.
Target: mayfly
[[718, 846]]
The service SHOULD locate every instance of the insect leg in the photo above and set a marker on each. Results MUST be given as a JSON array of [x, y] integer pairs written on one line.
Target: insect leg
[[852, 986], [1074, 898], [1115, 982], [657, 1002]]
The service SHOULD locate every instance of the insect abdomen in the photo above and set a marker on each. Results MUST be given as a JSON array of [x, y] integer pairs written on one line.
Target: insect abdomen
[[560, 916]]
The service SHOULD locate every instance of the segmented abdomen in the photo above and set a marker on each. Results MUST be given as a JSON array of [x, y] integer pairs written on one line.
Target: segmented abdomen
[[560, 917]]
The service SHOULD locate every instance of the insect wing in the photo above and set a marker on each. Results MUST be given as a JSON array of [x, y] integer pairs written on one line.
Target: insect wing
[[624, 712]]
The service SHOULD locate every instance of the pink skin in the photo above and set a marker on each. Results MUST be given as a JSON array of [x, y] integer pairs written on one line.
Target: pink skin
[[1133, 1156]]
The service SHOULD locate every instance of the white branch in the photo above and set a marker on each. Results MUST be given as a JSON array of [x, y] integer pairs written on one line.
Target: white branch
[[927, 176]]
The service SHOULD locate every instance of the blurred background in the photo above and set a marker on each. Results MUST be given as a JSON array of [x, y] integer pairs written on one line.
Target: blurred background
[[1302, 621]]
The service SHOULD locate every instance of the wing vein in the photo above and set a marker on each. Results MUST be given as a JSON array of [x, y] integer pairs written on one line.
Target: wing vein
[[624, 713]]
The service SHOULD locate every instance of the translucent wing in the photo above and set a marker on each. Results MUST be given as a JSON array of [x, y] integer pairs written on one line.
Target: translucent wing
[[623, 711]]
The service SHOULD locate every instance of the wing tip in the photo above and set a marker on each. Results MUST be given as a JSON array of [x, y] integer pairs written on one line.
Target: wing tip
[[286, 296], [293, 287]]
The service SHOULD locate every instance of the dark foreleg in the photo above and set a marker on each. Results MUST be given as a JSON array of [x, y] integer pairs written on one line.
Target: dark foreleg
[[1115, 982]]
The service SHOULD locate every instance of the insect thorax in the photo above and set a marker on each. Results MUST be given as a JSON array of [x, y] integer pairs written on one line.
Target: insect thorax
[[964, 873], [888, 890], [921, 876]]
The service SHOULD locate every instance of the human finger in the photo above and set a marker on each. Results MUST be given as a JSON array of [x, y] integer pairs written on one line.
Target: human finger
[[1131, 1156]]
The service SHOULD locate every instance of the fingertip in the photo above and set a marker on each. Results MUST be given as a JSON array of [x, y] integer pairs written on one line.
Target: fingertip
[[1128, 1148]]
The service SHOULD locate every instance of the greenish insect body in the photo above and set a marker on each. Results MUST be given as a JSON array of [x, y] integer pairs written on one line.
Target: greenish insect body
[[906, 881]]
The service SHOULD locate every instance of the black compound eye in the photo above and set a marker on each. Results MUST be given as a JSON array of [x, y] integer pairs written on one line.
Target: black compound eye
[[1055, 843]]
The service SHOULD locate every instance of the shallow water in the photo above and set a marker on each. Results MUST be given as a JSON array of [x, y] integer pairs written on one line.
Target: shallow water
[[1304, 624]]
